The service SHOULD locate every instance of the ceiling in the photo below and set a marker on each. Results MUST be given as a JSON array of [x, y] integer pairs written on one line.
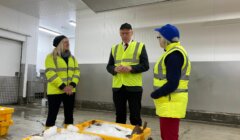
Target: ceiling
[[52, 14], [56, 14], [106, 5]]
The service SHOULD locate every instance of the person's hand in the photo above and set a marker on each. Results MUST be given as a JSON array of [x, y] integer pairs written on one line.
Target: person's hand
[[68, 90], [126, 69], [118, 69], [123, 69]]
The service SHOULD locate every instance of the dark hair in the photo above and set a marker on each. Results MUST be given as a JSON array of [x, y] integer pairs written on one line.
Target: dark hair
[[126, 26]]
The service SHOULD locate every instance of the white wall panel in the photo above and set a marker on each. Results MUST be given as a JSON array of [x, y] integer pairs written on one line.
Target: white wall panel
[[10, 55], [45, 46], [216, 41], [24, 24]]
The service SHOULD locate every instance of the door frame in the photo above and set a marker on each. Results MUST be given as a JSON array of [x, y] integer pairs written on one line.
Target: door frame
[[23, 39]]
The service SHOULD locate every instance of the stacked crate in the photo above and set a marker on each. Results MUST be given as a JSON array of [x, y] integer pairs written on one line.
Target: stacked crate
[[5, 119]]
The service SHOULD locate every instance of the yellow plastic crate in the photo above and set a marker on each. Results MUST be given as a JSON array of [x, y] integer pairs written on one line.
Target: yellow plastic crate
[[146, 133], [4, 125], [6, 113]]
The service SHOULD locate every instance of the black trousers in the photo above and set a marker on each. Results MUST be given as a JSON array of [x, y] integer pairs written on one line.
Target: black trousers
[[54, 102], [120, 99]]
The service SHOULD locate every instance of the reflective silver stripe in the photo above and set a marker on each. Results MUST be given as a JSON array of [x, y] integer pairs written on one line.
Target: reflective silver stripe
[[71, 68], [60, 69], [65, 69], [52, 78], [76, 76], [130, 60], [163, 77], [64, 79], [185, 77], [50, 69], [176, 91], [180, 90], [160, 72], [117, 61], [160, 76], [76, 68], [136, 51], [115, 54]]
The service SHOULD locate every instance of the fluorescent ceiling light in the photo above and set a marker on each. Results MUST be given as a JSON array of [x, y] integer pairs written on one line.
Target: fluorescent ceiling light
[[48, 31], [73, 23]]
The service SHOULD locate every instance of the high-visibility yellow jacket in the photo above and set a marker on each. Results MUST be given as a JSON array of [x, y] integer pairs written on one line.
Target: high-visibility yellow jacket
[[174, 105], [129, 57], [58, 72]]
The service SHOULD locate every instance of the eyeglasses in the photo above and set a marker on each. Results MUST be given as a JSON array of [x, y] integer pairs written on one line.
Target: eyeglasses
[[158, 37], [125, 32]]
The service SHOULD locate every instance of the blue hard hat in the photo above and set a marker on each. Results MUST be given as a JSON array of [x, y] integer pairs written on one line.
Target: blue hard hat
[[169, 32]]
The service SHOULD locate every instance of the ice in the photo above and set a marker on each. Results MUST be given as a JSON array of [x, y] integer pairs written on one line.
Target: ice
[[71, 133], [50, 131], [37, 138], [109, 130], [73, 136], [72, 128]]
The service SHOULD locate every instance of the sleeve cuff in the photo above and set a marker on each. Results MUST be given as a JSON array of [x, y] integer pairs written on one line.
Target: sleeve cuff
[[133, 69], [113, 71], [62, 86], [73, 84], [155, 95]]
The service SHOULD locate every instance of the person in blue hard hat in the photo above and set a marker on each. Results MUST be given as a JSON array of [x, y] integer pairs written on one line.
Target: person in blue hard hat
[[171, 78]]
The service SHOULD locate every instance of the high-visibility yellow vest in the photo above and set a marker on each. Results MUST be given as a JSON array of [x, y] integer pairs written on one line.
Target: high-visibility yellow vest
[[58, 72], [174, 105], [129, 57]]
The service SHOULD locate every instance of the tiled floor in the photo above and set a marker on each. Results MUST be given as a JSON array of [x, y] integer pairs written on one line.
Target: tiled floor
[[29, 120]]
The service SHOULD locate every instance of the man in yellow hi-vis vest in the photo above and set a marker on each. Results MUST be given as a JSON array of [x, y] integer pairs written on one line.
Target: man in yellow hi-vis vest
[[63, 75], [171, 77], [127, 61]]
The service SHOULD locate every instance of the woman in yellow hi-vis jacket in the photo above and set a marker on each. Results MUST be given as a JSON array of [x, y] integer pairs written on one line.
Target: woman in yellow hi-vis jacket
[[171, 77], [63, 75]]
